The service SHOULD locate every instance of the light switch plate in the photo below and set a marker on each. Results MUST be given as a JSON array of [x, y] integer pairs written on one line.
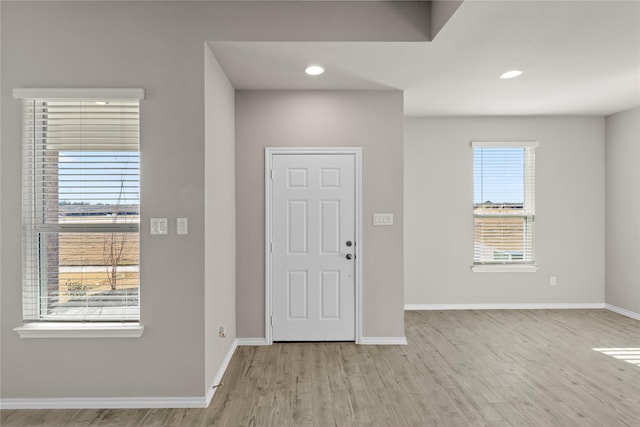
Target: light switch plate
[[382, 219], [159, 226], [182, 225]]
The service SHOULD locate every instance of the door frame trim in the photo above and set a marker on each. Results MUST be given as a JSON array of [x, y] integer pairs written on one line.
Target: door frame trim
[[268, 159]]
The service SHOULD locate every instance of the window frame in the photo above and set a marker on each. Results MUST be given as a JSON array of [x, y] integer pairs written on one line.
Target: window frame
[[529, 203], [35, 326]]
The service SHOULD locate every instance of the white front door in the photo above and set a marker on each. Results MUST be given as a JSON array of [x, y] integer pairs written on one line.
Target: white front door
[[313, 247]]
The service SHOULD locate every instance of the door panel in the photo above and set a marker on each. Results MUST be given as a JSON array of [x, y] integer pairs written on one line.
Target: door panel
[[330, 291], [330, 227], [297, 295], [313, 217], [297, 227]]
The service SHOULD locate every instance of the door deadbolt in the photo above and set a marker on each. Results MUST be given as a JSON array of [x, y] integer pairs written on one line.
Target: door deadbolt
[[349, 243]]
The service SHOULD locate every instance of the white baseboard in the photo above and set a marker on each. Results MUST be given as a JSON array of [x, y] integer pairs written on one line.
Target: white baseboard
[[363, 340], [252, 341], [383, 341], [516, 306], [105, 403], [124, 402], [623, 311], [217, 380]]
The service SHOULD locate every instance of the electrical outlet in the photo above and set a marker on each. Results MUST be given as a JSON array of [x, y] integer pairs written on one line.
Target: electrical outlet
[[553, 281], [222, 332]]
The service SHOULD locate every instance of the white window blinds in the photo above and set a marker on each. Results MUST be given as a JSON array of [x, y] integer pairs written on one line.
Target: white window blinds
[[81, 204], [504, 202]]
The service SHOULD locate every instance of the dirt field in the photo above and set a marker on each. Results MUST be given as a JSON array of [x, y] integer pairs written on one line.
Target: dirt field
[[507, 232], [97, 252], [76, 249]]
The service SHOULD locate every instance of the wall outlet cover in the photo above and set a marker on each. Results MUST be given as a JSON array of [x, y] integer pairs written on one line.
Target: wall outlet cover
[[382, 219]]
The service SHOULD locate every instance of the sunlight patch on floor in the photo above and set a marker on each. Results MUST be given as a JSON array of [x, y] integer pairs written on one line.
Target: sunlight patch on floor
[[629, 355]]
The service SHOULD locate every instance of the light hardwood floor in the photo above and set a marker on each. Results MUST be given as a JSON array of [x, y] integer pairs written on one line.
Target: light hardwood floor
[[461, 368]]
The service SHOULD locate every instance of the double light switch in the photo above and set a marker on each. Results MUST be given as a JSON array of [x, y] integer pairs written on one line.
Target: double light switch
[[160, 226]]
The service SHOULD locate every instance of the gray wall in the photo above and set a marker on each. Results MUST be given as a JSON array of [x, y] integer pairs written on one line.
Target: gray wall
[[84, 44], [623, 210], [569, 211], [371, 120], [186, 280], [219, 214]]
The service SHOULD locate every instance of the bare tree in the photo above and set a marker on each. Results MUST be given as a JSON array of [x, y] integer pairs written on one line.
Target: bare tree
[[112, 252], [114, 243]]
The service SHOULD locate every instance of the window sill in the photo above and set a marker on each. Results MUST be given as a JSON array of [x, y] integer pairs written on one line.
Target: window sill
[[80, 330], [504, 268]]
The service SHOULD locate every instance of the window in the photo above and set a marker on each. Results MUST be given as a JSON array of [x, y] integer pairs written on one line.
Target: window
[[81, 204], [503, 205]]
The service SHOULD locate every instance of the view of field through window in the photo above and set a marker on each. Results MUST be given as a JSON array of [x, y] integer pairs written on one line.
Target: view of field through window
[[503, 205], [91, 271]]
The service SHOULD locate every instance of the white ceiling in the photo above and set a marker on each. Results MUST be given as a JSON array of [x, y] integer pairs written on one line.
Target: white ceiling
[[578, 58]]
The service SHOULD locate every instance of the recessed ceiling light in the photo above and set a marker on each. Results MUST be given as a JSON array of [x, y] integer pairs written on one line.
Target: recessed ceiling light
[[510, 74], [314, 70], [101, 103]]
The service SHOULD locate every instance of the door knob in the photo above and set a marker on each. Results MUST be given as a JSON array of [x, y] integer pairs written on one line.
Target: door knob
[[349, 256]]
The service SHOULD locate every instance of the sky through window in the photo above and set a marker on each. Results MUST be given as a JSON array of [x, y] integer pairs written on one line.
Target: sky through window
[[498, 175]]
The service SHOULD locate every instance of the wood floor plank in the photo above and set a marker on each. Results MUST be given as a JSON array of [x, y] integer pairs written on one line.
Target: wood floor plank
[[496, 368]]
